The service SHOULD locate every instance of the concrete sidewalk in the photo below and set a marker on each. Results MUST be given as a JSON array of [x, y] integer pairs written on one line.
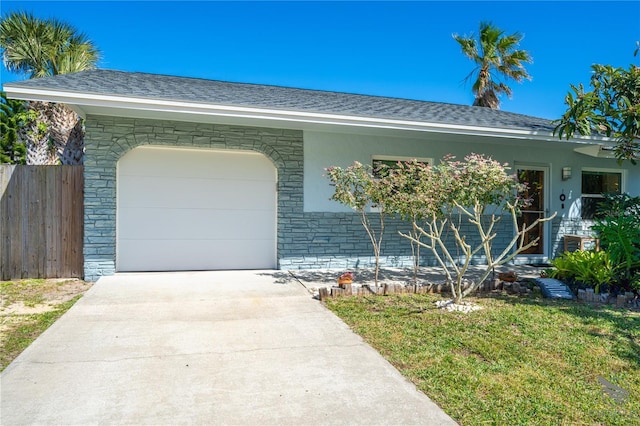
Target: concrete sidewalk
[[240, 347]]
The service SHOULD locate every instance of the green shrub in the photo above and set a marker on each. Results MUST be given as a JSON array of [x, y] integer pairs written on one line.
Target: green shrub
[[591, 268], [12, 150], [617, 225]]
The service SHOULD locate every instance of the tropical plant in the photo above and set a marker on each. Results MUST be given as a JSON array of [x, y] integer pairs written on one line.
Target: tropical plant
[[358, 188], [614, 205], [634, 282], [40, 48], [611, 108], [12, 151], [496, 56], [591, 268], [617, 225]]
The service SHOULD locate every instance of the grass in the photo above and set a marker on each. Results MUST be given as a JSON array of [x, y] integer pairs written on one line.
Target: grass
[[517, 361], [18, 329], [29, 291], [24, 329]]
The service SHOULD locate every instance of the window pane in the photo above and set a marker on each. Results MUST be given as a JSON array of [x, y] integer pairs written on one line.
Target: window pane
[[611, 183], [601, 182], [534, 179], [594, 184]]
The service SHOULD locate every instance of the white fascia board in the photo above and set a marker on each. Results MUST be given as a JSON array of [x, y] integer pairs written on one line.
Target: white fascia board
[[76, 100]]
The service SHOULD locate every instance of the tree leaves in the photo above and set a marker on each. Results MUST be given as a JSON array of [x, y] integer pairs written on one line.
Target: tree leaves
[[611, 108], [12, 113], [41, 48], [446, 199]]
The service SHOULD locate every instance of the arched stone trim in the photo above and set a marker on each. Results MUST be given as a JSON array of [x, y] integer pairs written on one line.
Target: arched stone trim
[[126, 143], [109, 138]]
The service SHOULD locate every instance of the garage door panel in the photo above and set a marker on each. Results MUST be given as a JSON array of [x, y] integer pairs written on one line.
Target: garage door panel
[[158, 162], [219, 193], [182, 209], [190, 255], [178, 224]]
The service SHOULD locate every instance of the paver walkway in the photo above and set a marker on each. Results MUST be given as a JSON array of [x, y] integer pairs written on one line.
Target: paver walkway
[[554, 289]]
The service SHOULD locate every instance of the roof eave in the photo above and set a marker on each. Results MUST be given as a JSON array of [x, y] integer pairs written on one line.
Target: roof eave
[[82, 101]]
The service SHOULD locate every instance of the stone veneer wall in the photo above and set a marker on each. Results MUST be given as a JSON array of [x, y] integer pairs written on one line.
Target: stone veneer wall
[[109, 138], [305, 240], [338, 240], [568, 226]]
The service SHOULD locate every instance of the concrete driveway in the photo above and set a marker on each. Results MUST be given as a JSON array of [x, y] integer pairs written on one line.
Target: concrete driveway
[[238, 347]]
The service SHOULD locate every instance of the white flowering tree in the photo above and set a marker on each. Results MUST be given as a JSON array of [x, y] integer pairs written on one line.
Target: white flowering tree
[[408, 199], [358, 188], [441, 199]]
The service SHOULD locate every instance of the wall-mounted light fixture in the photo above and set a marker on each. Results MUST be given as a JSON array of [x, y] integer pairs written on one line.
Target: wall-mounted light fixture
[[566, 173]]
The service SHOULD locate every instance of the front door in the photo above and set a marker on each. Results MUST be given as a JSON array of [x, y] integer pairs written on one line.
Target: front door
[[536, 180]]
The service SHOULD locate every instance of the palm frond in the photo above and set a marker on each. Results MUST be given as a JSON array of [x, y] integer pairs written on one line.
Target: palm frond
[[468, 45], [41, 48], [496, 55]]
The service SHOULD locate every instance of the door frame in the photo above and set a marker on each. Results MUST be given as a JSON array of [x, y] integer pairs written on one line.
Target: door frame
[[546, 226]]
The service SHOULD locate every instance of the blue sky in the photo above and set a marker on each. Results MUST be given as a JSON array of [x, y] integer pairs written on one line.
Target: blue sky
[[398, 49]]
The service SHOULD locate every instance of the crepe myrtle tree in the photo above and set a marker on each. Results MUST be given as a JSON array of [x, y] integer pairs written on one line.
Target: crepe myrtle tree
[[440, 200], [357, 187], [402, 184]]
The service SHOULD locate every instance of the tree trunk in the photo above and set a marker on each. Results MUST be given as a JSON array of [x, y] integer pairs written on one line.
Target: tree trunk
[[487, 99], [55, 136]]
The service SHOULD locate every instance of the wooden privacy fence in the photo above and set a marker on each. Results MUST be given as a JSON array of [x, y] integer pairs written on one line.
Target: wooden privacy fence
[[41, 221]]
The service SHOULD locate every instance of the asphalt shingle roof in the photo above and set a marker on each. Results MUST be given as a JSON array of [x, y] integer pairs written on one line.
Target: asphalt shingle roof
[[164, 87]]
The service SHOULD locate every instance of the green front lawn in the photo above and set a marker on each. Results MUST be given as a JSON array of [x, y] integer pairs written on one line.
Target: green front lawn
[[517, 361]]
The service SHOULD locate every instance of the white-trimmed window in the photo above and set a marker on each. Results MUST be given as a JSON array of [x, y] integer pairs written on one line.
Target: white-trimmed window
[[596, 183], [392, 161]]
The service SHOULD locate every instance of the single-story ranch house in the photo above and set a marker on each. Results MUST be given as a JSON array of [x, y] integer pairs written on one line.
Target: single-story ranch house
[[192, 174]]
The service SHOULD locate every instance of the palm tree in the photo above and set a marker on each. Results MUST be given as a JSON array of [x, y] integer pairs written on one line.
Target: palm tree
[[40, 48], [495, 55]]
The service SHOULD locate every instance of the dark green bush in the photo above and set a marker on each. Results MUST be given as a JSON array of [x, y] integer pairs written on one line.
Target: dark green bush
[[12, 150], [591, 269], [618, 226]]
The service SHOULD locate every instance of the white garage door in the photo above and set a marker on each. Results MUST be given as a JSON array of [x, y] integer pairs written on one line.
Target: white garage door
[[181, 209]]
